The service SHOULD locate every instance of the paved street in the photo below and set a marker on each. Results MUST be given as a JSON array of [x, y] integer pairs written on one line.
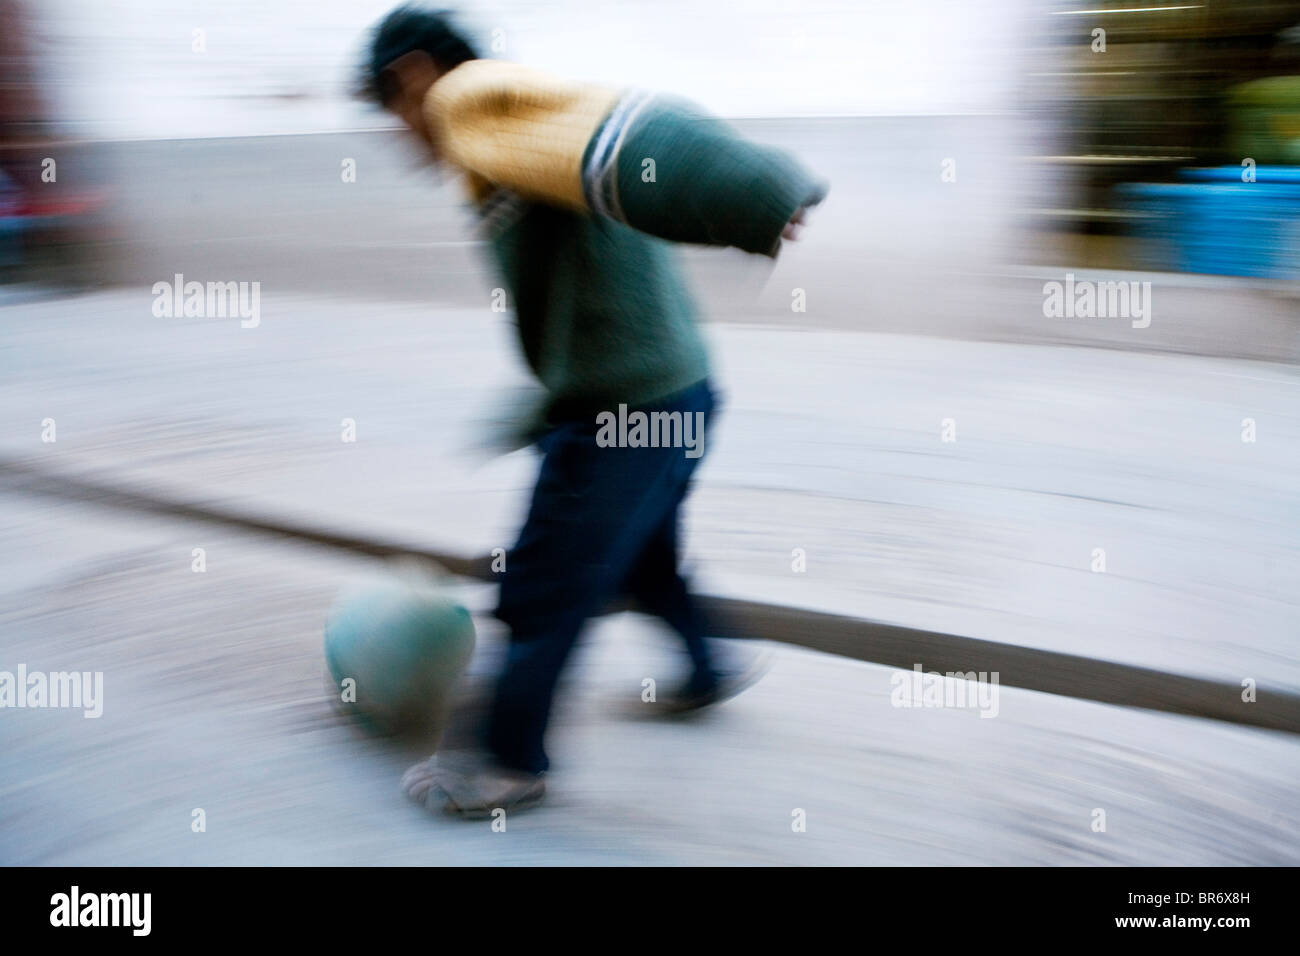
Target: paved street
[[831, 443]]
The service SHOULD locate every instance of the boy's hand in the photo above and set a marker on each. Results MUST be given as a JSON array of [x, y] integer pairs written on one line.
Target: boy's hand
[[791, 230]]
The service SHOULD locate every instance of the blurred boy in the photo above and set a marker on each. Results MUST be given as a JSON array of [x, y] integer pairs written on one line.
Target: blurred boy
[[577, 187]]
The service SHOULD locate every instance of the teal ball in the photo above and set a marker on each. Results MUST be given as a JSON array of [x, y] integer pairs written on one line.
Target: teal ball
[[396, 651]]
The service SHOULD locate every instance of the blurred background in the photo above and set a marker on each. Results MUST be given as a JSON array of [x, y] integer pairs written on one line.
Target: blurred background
[[1104, 135], [977, 153]]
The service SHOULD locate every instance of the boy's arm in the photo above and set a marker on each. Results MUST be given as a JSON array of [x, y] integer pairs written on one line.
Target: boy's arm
[[677, 173], [510, 126], [658, 164]]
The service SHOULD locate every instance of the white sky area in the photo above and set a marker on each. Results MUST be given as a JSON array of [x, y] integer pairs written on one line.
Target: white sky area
[[126, 67]]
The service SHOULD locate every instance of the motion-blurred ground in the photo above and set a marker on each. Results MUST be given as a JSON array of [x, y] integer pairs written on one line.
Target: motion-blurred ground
[[831, 442]]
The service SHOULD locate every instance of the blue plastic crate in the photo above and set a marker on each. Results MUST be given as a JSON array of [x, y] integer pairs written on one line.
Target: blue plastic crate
[[1214, 223]]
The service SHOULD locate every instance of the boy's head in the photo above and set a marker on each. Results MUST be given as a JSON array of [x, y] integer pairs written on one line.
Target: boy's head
[[411, 48]]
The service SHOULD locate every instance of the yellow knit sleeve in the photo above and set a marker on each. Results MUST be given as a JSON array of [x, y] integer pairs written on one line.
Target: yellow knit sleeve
[[518, 128]]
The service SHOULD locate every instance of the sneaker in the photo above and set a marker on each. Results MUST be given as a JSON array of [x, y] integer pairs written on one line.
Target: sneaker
[[705, 691], [471, 786]]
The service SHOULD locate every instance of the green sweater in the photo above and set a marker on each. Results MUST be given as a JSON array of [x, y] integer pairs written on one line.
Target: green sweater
[[603, 310]]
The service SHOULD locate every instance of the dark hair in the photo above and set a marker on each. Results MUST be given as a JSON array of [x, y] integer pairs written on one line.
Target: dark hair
[[404, 30]]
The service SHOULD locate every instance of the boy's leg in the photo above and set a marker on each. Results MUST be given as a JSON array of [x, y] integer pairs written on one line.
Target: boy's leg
[[718, 672], [593, 511], [658, 586]]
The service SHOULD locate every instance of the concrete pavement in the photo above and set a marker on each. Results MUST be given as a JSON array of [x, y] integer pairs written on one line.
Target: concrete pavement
[[214, 700], [832, 442]]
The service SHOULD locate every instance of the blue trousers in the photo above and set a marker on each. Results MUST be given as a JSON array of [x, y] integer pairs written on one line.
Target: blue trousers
[[603, 522]]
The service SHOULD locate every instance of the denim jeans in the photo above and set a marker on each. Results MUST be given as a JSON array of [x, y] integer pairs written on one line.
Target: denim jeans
[[603, 523]]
